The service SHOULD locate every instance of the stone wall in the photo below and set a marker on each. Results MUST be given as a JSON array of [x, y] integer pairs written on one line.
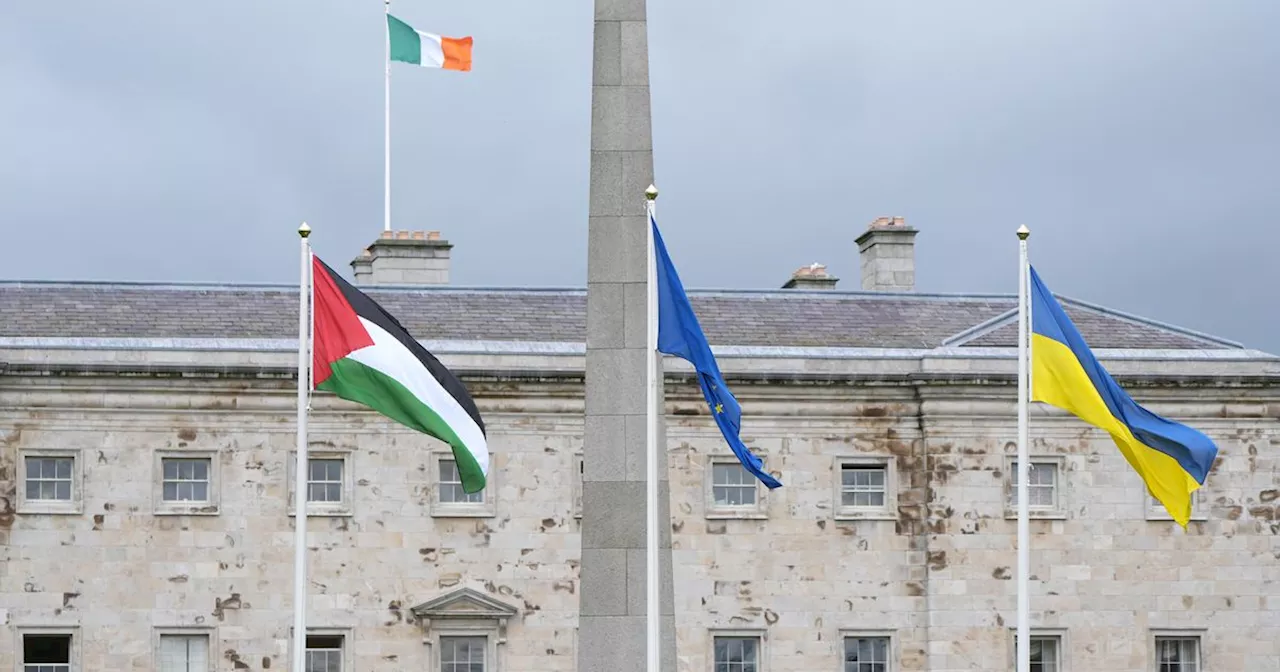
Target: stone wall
[[938, 573]]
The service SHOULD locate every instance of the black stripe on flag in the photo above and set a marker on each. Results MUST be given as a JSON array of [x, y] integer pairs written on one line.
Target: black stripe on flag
[[370, 310]]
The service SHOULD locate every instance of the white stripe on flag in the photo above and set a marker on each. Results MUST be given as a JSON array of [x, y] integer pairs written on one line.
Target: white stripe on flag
[[390, 357], [432, 52]]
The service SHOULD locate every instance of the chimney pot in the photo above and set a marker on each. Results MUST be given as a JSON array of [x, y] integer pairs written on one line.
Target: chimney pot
[[887, 254], [813, 276]]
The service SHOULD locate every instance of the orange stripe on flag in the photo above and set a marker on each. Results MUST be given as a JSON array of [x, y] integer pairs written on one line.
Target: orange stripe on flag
[[457, 52]]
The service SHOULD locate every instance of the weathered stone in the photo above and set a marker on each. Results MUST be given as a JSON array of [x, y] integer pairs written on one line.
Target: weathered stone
[[938, 572]]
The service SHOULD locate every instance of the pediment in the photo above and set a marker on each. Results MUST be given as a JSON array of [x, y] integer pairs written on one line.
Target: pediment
[[464, 603]]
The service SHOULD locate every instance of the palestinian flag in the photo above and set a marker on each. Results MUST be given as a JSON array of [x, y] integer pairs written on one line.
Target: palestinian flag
[[362, 354]]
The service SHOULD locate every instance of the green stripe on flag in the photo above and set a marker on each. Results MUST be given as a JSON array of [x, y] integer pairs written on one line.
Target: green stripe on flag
[[406, 44], [353, 381]]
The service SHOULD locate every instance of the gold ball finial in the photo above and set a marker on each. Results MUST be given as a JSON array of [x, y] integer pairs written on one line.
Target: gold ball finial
[[651, 193], [1023, 232], [304, 230]]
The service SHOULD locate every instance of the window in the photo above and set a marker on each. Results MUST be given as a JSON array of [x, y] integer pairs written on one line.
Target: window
[[737, 654], [732, 486], [324, 653], [187, 483], [1048, 649], [732, 491], [46, 652], [451, 491], [324, 480], [49, 478], [1046, 653], [862, 486], [49, 482], [1042, 485], [463, 654], [184, 653], [451, 500], [330, 487], [866, 654], [1044, 498], [1156, 511], [865, 488], [1177, 654], [186, 479]]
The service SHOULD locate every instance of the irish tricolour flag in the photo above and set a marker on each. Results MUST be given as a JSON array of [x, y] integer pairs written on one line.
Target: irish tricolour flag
[[362, 354], [409, 45]]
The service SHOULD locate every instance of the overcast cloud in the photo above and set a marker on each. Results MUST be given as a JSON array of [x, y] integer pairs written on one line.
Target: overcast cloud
[[147, 140]]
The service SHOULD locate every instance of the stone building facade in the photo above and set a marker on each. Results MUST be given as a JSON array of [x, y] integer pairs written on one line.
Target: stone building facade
[[147, 434]]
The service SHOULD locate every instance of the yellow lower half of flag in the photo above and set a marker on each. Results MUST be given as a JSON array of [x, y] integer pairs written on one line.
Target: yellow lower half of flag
[[1059, 380]]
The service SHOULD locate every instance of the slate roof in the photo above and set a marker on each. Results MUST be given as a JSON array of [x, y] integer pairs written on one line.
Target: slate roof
[[793, 318]]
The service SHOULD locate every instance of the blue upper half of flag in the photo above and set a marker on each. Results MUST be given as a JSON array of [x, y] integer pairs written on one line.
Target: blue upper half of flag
[[680, 335]]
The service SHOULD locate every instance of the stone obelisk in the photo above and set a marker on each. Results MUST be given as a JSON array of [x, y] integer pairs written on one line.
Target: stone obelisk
[[612, 620]]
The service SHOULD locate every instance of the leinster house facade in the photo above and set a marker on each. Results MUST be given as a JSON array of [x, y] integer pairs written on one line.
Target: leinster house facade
[[146, 456]]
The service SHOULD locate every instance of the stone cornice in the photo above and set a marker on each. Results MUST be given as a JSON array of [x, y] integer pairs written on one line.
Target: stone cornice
[[559, 363], [879, 403]]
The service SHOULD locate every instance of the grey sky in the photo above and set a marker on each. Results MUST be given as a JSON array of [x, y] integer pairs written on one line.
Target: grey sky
[[147, 140]]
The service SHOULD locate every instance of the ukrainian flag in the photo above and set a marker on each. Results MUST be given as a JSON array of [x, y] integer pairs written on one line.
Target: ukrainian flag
[[1172, 459]]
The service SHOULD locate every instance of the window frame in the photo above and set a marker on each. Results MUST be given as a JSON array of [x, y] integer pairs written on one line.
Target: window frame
[[891, 649], [1157, 634], [713, 511], [453, 629], [465, 612], [184, 631], [1155, 512], [1059, 509], [889, 511], [210, 507], [76, 663], [73, 506], [760, 635], [322, 509], [345, 633], [486, 508], [1060, 634]]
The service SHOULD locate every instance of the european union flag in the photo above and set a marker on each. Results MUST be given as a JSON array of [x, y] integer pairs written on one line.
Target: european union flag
[[679, 334]]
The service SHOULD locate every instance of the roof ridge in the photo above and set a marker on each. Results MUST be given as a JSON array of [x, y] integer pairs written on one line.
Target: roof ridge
[[1149, 322], [254, 286], [980, 329], [457, 288], [1003, 320], [708, 292], [848, 293]]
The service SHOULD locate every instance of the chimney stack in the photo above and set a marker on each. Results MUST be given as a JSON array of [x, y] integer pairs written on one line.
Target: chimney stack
[[813, 276], [404, 258], [887, 252]]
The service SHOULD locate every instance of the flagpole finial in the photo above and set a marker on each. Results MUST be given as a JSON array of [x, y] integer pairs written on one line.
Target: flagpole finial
[[1023, 232], [304, 230], [651, 193]]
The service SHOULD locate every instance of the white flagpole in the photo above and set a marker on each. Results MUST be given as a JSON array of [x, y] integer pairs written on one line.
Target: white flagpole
[[652, 606], [386, 140], [1024, 529], [300, 473]]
